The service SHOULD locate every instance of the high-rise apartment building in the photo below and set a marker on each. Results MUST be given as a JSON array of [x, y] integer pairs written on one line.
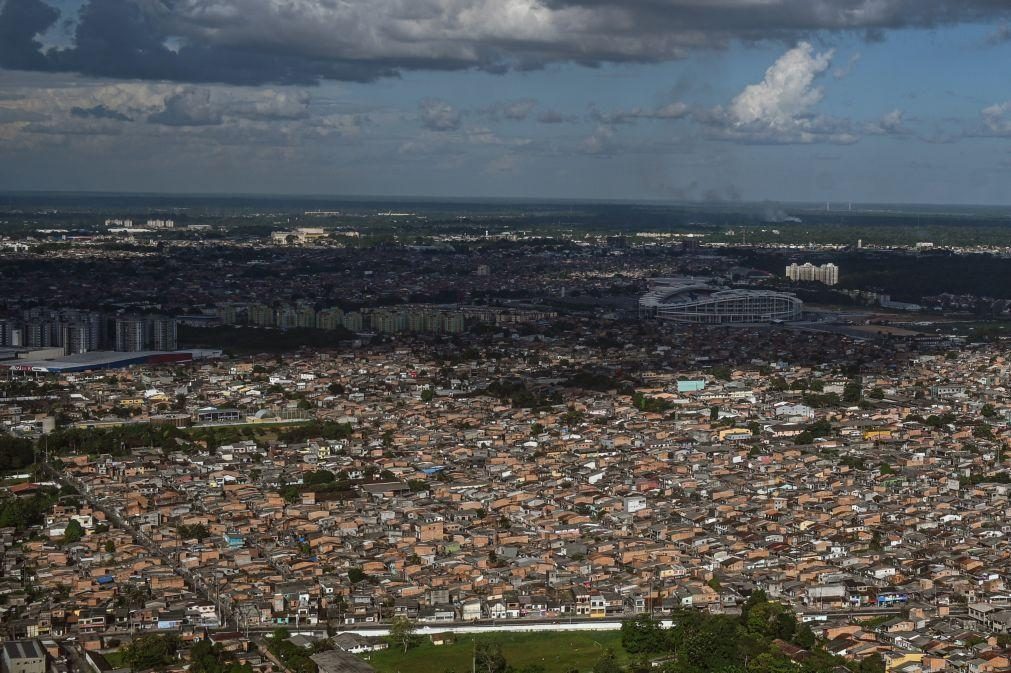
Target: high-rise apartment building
[[353, 321], [330, 318], [163, 334], [261, 315], [77, 338], [79, 331], [286, 317], [826, 273], [229, 314], [131, 334], [305, 316], [141, 333], [417, 320]]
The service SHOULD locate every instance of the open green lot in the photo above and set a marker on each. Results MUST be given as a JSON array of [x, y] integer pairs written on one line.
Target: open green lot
[[556, 651], [116, 658]]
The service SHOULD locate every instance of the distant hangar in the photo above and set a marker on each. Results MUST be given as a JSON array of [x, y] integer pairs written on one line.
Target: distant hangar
[[15, 362]]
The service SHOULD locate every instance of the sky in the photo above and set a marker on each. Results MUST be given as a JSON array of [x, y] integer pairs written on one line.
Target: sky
[[687, 100]]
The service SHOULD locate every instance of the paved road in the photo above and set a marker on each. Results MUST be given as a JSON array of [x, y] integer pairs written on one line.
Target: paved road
[[75, 659], [524, 624]]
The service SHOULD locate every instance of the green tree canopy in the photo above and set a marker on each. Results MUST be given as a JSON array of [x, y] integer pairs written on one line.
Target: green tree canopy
[[73, 532]]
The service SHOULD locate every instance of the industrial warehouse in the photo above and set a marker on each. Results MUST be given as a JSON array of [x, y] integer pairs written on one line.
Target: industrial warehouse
[[27, 362]]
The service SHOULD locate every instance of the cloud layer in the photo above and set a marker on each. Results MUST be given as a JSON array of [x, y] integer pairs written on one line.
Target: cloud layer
[[304, 41], [778, 109]]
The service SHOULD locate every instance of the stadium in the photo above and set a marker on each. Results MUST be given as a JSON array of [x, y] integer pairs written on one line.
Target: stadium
[[691, 301]]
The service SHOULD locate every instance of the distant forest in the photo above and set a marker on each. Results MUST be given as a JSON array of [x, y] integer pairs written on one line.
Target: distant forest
[[907, 277], [726, 221]]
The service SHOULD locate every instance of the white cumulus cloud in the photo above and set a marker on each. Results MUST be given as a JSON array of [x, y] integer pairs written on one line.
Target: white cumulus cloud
[[779, 109]]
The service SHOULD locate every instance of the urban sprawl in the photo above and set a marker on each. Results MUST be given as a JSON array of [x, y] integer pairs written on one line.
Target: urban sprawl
[[544, 437]]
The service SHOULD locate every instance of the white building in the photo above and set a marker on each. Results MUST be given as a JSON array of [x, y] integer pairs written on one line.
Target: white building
[[826, 273], [300, 236]]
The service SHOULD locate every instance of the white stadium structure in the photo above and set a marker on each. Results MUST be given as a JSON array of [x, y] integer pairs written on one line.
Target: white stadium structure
[[687, 300]]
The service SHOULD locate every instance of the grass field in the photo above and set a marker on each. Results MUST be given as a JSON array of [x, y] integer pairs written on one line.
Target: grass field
[[557, 652], [116, 658]]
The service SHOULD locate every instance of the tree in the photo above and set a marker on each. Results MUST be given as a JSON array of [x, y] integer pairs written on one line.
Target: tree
[[642, 635], [294, 658], [110, 547], [151, 651], [208, 658], [15, 452], [402, 633], [768, 662], [804, 636], [873, 664], [22, 513], [722, 373], [759, 618], [607, 663], [710, 647], [318, 477], [74, 532], [488, 658], [852, 392], [982, 431], [757, 597], [193, 532], [427, 395], [784, 623]]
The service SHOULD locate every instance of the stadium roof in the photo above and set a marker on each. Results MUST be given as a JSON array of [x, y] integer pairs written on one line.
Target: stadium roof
[[106, 360]]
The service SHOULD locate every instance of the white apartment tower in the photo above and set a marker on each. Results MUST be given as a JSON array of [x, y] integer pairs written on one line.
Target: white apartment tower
[[826, 273]]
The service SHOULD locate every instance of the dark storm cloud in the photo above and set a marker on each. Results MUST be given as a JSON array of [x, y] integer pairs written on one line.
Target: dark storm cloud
[[123, 39], [20, 23], [304, 41]]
